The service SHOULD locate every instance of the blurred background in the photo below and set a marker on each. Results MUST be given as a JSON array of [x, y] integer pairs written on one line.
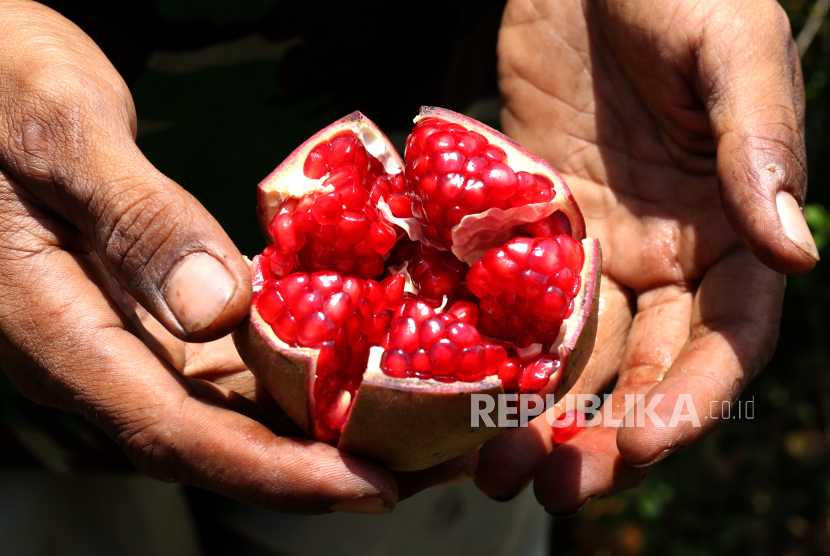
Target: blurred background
[[225, 90]]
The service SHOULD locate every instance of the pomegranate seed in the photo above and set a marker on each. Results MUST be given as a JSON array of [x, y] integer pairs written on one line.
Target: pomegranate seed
[[420, 364], [492, 153], [433, 214], [537, 374], [468, 143], [287, 237], [327, 209], [500, 180], [342, 150], [381, 237], [500, 267], [438, 142], [327, 360], [353, 197], [428, 187], [475, 196], [292, 285], [306, 302], [568, 425], [416, 309], [326, 282], [445, 162], [494, 356], [395, 363], [551, 305], [449, 189], [444, 357], [509, 372], [324, 234], [342, 177], [315, 328], [465, 312], [336, 415], [354, 327], [571, 251], [400, 206], [361, 160], [286, 328], [353, 227], [362, 254], [338, 306], [316, 163], [437, 282], [567, 281], [430, 331], [393, 288], [270, 305], [544, 257], [472, 364], [403, 334], [463, 335], [531, 283]]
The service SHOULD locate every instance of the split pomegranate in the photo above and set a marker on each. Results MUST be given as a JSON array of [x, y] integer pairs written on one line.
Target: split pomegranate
[[392, 293]]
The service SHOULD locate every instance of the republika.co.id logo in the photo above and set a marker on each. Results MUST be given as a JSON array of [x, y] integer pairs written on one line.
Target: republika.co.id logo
[[516, 410]]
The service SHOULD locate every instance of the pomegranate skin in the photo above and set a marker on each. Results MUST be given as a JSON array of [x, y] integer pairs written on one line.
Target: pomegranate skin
[[412, 424]]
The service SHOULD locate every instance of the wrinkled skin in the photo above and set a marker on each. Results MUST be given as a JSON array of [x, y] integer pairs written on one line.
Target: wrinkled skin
[[674, 123], [75, 189]]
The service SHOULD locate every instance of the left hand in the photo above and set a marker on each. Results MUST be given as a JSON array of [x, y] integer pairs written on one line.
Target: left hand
[[678, 125]]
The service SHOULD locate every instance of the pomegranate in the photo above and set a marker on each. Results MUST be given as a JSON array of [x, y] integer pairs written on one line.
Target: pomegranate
[[390, 293]]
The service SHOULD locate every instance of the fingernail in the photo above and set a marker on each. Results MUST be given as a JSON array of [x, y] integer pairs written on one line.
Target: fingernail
[[579, 509], [364, 505], [660, 457], [462, 477], [198, 291], [794, 224]]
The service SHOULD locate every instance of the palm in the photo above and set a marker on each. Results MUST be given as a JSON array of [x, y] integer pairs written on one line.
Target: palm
[[683, 302]]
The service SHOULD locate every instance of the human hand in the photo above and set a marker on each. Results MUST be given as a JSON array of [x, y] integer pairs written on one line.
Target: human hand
[[678, 125], [84, 215]]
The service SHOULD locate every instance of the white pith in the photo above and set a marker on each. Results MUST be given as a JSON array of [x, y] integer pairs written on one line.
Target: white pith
[[295, 185]]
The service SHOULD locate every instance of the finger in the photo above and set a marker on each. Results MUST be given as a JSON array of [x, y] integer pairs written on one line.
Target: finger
[[734, 329], [590, 466], [69, 138], [458, 470], [507, 463], [751, 83], [68, 344], [584, 469]]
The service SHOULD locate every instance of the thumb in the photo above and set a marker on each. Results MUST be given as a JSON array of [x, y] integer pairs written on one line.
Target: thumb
[[751, 83], [156, 239]]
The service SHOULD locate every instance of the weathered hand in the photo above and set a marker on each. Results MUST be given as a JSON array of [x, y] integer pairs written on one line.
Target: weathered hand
[[678, 125], [75, 189]]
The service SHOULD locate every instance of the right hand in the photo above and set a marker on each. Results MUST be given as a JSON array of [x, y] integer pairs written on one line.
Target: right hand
[[74, 183]]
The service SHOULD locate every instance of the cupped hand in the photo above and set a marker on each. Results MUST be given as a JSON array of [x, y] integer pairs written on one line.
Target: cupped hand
[[678, 125], [88, 227]]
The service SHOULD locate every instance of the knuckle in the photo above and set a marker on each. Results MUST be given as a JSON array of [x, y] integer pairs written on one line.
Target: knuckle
[[150, 449], [135, 226]]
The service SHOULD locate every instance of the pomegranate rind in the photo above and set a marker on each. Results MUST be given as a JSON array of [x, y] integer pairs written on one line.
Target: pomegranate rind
[[282, 369], [468, 240], [412, 424], [287, 181], [579, 331]]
